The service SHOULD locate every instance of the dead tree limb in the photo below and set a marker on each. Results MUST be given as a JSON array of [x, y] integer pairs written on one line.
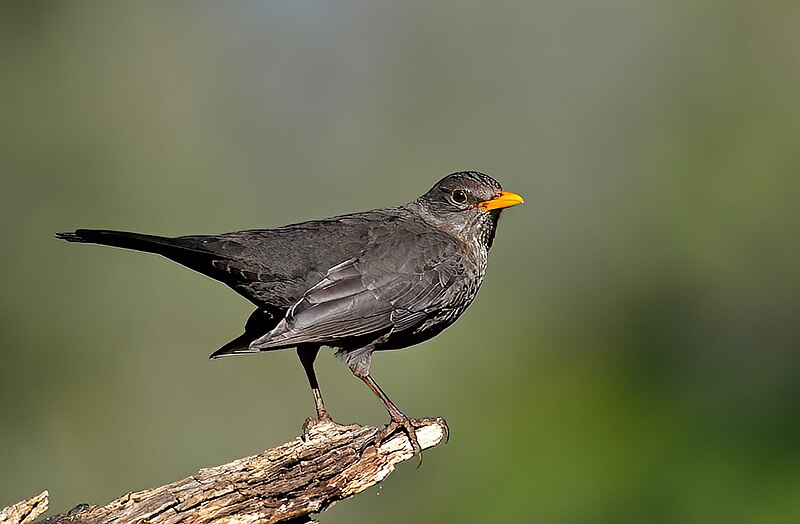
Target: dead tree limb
[[329, 463], [26, 511]]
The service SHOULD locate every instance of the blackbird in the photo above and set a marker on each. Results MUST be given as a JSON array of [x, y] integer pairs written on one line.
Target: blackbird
[[383, 279]]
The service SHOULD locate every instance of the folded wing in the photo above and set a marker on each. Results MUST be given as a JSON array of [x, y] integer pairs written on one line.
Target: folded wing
[[390, 289]]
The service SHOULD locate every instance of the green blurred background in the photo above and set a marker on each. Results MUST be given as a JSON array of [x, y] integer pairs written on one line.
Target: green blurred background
[[633, 355]]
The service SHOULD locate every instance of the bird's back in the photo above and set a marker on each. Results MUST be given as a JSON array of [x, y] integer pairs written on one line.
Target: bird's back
[[275, 267]]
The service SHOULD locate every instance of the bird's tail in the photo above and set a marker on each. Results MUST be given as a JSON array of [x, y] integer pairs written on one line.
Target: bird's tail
[[182, 249], [137, 241]]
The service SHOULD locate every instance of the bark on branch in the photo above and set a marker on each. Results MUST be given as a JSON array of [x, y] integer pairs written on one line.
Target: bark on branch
[[329, 463]]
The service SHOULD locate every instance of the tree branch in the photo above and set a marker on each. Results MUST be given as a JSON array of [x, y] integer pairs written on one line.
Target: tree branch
[[329, 463], [25, 511]]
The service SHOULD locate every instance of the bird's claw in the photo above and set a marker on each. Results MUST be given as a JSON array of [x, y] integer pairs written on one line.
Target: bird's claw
[[310, 424], [409, 427]]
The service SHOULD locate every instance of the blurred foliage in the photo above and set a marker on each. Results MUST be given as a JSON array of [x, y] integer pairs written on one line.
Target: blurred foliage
[[633, 355]]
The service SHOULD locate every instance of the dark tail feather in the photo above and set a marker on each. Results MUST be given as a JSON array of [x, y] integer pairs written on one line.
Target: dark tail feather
[[183, 250], [137, 241], [260, 322]]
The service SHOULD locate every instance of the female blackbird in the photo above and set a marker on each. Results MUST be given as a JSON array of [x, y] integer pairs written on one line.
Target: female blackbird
[[383, 279]]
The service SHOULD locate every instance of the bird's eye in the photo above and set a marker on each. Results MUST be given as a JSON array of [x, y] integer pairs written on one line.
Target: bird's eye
[[459, 197]]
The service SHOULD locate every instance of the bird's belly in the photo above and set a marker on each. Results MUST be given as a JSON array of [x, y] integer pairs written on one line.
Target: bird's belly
[[425, 330]]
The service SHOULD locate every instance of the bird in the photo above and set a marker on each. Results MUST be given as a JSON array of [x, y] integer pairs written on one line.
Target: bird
[[384, 279]]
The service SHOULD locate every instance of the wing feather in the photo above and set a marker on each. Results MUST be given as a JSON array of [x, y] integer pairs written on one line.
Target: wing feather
[[380, 291]]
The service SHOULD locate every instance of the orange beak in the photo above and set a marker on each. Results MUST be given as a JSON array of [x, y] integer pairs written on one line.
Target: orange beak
[[501, 200]]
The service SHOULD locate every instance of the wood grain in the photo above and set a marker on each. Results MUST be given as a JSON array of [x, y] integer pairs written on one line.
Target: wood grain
[[327, 463]]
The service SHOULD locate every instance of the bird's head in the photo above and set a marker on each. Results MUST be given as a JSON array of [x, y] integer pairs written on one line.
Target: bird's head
[[467, 205]]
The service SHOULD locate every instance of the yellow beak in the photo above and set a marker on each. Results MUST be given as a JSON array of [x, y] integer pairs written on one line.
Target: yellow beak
[[501, 200]]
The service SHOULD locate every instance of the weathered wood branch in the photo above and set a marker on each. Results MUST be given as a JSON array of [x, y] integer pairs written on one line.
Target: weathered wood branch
[[25, 511], [329, 463]]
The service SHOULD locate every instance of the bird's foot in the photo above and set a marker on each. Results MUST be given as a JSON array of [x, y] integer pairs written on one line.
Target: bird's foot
[[409, 427]]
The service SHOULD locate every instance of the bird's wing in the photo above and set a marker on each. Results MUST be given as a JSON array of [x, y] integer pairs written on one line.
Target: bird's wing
[[275, 267], [391, 287]]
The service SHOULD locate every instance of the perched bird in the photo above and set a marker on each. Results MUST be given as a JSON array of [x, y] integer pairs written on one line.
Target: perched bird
[[383, 279]]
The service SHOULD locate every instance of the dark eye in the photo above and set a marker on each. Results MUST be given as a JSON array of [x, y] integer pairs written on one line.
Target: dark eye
[[459, 197]]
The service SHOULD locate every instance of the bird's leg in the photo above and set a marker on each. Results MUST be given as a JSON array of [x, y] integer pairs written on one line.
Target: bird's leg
[[394, 411], [307, 355], [360, 368], [399, 420]]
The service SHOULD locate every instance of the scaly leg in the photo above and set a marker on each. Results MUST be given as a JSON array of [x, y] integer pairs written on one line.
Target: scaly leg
[[399, 419], [307, 355]]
